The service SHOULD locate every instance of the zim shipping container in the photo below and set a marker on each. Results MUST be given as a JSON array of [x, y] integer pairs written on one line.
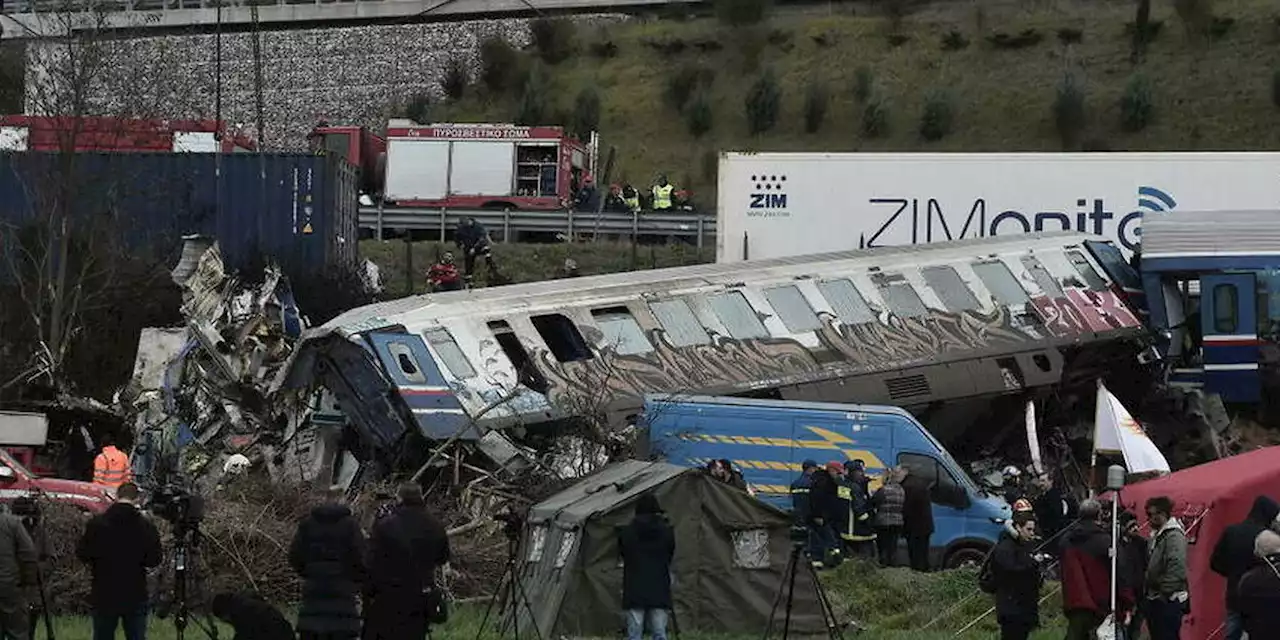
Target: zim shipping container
[[298, 210]]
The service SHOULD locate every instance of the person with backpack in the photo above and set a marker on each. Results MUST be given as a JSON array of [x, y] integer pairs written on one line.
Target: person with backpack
[[1012, 574]]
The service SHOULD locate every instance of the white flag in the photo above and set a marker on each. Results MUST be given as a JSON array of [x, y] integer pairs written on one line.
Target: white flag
[[1116, 432], [1033, 439]]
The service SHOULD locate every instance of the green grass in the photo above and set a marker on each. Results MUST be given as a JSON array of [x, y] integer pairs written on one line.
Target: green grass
[[529, 262], [1214, 96]]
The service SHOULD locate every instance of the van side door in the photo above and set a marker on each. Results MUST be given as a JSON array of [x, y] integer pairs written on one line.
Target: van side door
[[949, 498]]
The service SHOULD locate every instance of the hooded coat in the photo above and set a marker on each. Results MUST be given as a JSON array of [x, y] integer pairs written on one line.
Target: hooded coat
[[119, 546], [1258, 598], [647, 545], [1233, 555], [328, 553], [1018, 581], [404, 552], [1086, 570]]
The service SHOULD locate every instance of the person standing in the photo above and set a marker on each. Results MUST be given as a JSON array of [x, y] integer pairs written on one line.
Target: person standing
[[1234, 555], [917, 519], [473, 239], [662, 194], [1017, 576], [826, 514], [328, 553], [1086, 573], [648, 545], [119, 546], [1133, 562], [888, 501], [1258, 594], [18, 559], [111, 467], [861, 528], [1166, 581], [802, 508], [405, 551]]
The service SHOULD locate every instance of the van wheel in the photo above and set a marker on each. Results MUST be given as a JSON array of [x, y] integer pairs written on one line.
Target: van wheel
[[966, 557]]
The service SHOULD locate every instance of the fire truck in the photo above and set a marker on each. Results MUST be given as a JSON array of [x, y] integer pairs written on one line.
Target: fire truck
[[98, 133], [463, 166]]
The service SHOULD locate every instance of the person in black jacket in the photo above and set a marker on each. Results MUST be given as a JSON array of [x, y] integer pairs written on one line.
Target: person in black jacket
[[1133, 567], [328, 553], [251, 617], [405, 551], [917, 519], [1234, 555], [119, 546], [473, 239], [1258, 593], [647, 545], [824, 513], [1017, 576]]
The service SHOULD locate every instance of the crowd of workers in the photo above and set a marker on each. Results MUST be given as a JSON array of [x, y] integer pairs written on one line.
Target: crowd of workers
[[624, 198]]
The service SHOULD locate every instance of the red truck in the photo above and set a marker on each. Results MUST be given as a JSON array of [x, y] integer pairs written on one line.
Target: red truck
[[100, 133], [22, 433], [463, 166]]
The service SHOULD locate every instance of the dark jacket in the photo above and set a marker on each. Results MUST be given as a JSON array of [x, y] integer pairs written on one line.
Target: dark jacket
[[251, 617], [1258, 598], [801, 500], [824, 498], [1018, 581], [119, 546], [328, 553], [471, 236], [404, 552], [647, 545], [917, 507], [1086, 570], [17, 557], [1233, 555], [888, 501], [1133, 565], [1054, 509]]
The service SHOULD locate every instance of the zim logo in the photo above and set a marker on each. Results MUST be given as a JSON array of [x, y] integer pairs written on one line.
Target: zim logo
[[768, 192]]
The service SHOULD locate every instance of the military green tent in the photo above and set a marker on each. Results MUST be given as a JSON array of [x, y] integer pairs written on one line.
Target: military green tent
[[731, 555]]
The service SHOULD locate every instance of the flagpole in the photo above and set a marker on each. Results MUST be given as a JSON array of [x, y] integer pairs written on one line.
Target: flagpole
[[1093, 453]]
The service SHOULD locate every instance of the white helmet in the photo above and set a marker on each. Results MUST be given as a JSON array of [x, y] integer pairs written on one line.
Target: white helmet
[[236, 464], [1011, 471]]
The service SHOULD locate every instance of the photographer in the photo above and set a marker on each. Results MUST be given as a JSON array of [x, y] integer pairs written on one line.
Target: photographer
[[17, 577], [405, 550], [1017, 575], [328, 553], [647, 544], [119, 546]]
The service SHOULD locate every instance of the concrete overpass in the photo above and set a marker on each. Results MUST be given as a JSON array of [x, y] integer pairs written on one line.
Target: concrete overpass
[[36, 18]]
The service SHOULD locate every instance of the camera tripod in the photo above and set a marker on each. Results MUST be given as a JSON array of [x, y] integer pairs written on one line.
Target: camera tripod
[[511, 592], [186, 538], [788, 589], [34, 525]]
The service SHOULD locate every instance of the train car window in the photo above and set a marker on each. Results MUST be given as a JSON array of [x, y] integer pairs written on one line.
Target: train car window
[[951, 289], [847, 301], [790, 305], [1086, 271], [527, 373], [1226, 320], [450, 353], [408, 364], [1000, 281], [621, 331], [739, 317], [1113, 262], [562, 337], [679, 323], [900, 296], [1048, 284]]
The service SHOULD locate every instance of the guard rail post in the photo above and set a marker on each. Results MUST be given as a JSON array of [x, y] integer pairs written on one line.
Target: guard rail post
[[378, 233], [444, 223], [702, 229], [570, 236], [506, 225]]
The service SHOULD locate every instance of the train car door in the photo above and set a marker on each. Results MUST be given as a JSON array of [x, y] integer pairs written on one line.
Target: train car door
[[1229, 317], [418, 381]]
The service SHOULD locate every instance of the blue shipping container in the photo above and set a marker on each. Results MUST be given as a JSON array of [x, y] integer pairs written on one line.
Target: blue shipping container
[[298, 210]]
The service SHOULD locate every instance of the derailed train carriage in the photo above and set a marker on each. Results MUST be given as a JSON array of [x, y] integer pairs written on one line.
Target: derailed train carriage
[[938, 328]]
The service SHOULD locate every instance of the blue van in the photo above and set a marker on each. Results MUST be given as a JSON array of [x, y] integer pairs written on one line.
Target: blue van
[[768, 440]]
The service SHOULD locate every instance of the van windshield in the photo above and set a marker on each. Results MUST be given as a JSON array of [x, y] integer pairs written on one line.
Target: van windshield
[[961, 474]]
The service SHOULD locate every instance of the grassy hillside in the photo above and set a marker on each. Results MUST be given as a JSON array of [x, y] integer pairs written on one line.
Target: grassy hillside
[[993, 81]]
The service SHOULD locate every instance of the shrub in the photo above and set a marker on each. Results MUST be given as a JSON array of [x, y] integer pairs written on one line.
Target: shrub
[[954, 41], [938, 117], [1027, 38], [740, 13], [454, 81], [1070, 35], [552, 39], [897, 39], [418, 108], [864, 81], [684, 82], [1196, 16], [875, 117], [499, 64], [586, 112], [896, 11], [763, 103], [699, 116], [534, 105], [666, 45], [1136, 104], [1069, 110], [604, 48], [1219, 27], [1275, 88], [815, 106]]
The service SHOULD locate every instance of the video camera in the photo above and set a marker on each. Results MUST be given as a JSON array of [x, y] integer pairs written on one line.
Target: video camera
[[513, 523], [799, 534], [178, 506]]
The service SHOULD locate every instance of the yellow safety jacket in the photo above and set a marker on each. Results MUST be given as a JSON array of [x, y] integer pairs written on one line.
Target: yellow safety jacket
[[633, 203], [662, 196]]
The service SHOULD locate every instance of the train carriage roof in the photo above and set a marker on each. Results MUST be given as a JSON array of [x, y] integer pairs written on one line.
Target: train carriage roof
[[535, 295]]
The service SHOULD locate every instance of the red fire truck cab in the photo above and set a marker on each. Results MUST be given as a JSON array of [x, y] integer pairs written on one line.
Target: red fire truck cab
[[95, 133], [464, 166], [21, 435]]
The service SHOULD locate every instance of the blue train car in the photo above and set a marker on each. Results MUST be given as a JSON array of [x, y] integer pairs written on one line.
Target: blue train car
[[769, 439]]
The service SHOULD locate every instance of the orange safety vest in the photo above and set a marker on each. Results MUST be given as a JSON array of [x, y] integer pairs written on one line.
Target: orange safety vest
[[111, 468]]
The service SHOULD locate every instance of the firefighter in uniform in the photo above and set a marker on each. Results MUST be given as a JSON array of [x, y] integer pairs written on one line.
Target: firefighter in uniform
[[631, 198], [111, 467], [662, 193], [858, 532], [800, 506]]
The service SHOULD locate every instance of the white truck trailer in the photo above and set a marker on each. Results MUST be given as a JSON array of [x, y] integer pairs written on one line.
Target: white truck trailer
[[782, 204]]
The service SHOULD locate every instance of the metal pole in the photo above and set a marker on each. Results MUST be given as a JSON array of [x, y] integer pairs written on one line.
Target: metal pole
[[1115, 555]]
